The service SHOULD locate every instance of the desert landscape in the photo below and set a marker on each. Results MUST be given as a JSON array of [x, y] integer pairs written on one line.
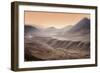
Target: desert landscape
[[69, 42]]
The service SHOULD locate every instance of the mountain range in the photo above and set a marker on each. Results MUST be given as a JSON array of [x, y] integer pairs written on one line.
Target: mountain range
[[70, 42]]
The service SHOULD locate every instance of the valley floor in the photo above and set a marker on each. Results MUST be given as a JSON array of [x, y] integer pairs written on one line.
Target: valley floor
[[36, 51]]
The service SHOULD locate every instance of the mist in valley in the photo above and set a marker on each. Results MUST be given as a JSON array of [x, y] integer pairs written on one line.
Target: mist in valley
[[70, 42]]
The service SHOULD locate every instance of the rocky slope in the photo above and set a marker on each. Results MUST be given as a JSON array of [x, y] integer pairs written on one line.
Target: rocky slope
[[36, 50]]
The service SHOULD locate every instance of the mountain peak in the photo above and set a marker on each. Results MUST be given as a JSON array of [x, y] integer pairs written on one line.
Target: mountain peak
[[29, 28], [82, 24], [85, 20], [51, 28]]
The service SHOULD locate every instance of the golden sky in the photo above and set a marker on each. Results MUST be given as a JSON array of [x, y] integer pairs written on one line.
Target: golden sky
[[51, 19]]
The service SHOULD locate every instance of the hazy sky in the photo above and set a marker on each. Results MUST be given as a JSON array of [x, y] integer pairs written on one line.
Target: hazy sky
[[51, 19]]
